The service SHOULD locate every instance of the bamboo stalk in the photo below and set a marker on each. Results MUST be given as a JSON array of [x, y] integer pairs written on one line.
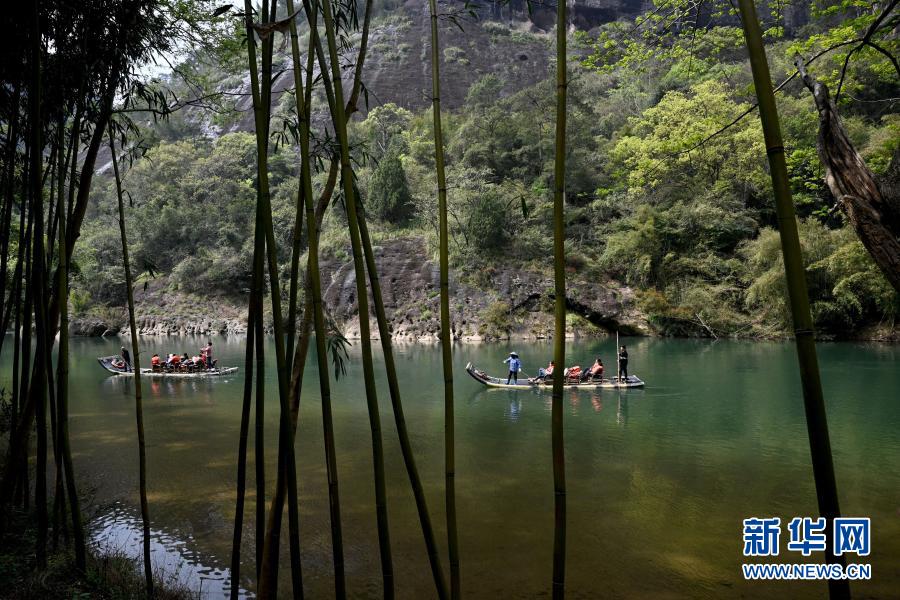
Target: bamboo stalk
[[559, 286], [446, 356], [12, 138], [313, 224], [136, 366], [384, 332], [62, 379], [262, 106], [314, 312], [35, 125], [813, 401], [340, 125], [241, 484]]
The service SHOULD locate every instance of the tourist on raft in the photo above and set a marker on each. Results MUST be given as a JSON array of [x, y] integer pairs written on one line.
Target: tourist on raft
[[154, 362], [544, 373], [514, 366], [208, 353], [623, 364], [595, 372]]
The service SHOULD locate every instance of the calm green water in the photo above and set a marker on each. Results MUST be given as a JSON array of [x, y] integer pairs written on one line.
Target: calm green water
[[658, 479]]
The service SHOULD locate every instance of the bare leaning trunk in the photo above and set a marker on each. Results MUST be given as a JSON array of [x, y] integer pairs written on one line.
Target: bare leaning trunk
[[136, 366], [872, 209]]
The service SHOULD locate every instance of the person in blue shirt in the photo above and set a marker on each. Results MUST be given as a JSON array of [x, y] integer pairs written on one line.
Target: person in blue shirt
[[515, 365]]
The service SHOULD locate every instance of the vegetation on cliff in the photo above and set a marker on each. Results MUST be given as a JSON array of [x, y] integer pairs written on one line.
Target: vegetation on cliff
[[663, 195]]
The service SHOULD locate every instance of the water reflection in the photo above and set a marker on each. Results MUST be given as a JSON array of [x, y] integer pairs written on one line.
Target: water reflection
[[174, 560], [622, 411], [158, 388]]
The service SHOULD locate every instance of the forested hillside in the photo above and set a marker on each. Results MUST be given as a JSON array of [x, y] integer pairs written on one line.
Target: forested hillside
[[669, 202]]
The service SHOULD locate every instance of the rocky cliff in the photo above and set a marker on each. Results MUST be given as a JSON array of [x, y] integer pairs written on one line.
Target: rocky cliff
[[487, 304]]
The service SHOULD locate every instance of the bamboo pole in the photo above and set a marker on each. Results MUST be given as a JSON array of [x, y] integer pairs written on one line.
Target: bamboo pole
[[241, 484], [559, 280], [384, 332], [446, 356], [62, 378], [136, 366], [814, 404], [340, 124], [286, 459], [12, 138], [35, 124], [314, 314]]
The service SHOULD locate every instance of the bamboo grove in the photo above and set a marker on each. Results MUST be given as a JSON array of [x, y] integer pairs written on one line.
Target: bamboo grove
[[69, 88]]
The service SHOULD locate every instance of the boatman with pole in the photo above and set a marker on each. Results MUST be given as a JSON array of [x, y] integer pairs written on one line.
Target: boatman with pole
[[515, 365], [623, 364]]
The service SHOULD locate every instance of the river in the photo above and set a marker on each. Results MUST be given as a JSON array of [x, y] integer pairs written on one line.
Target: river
[[659, 479]]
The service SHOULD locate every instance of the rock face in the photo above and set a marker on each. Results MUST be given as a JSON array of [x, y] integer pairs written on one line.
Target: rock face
[[485, 304], [91, 327], [515, 304], [160, 311]]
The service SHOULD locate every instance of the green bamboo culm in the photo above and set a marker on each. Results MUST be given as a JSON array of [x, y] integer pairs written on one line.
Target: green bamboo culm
[[814, 404], [340, 125], [303, 99], [559, 289], [136, 367], [242, 456], [262, 96], [36, 158], [446, 356], [62, 378], [384, 332], [270, 556]]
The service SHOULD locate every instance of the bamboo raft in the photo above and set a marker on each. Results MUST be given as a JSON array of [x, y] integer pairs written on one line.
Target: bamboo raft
[[113, 365], [497, 382]]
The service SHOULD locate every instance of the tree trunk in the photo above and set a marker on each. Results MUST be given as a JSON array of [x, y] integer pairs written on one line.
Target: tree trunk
[[340, 125], [136, 367], [446, 356], [62, 378], [872, 209], [798, 295], [559, 341]]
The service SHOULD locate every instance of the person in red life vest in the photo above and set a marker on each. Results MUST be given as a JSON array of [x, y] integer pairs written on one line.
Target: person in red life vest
[[573, 374], [154, 362], [207, 352]]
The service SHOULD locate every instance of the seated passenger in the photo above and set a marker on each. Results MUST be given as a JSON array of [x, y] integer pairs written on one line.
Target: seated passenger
[[155, 363], [595, 372], [544, 374], [573, 373]]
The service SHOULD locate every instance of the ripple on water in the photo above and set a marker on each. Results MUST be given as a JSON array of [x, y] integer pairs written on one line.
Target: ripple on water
[[119, 531]]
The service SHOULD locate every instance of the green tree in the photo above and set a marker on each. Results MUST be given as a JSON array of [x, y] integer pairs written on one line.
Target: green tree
[[389, 197]]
